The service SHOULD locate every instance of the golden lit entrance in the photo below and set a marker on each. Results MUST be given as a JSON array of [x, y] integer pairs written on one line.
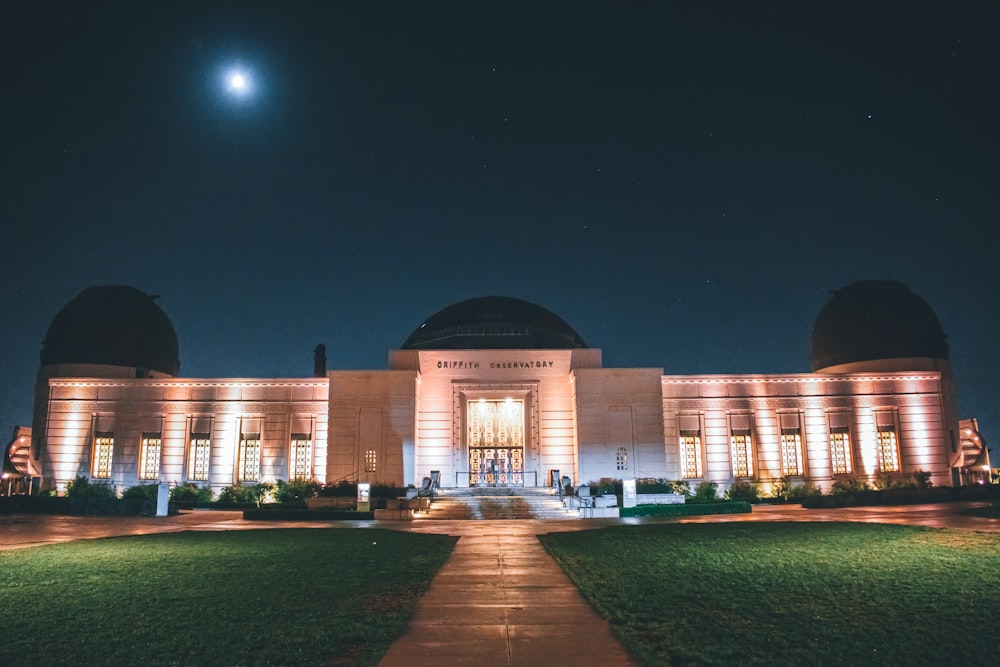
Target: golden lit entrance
[[496, 442]]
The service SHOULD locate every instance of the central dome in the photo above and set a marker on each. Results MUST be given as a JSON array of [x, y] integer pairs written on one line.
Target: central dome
[[494, 323]]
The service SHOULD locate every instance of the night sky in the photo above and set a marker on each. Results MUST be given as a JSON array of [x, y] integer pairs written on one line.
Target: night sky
[[683, 183]]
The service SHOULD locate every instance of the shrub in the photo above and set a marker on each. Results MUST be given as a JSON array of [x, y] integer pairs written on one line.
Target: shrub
[[81, 488], [800, 492], [743, 491], [888, 480], [606, 486], [849, 485], [345, 489], [246, 494], [141, 492], [706, 492], [654, 485], [140, 500], [190, 492], [390, 491], [296, 491]]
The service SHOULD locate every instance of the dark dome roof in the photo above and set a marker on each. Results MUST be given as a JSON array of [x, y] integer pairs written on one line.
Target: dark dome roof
[[493, 323], [875, 319], [113, 325]]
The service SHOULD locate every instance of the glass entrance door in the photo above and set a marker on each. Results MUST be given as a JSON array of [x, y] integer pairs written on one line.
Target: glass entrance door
[[496, 442]]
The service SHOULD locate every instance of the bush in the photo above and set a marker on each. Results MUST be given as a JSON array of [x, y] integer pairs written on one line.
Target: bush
[[849, 485], [246, 494], [654, 485], [606, 486], [706, 492], [889, 480], [345, 489], [296, 491], [140, 500], [743, 491], [81, 488], [342, 489], [141, 492], [192, 494], [801, 492]]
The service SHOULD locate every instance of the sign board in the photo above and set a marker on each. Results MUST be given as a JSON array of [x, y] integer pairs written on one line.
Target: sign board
[[364, 491], [628, 493]]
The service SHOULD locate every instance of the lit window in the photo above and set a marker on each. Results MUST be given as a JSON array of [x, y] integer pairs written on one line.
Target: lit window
[[149, 456], [742, 445], [840, 450], [198, 456], [104, 445], [301, 456], [370, 460], [621, 458], [249, 462], [791, 452], [691, 453], [888, 450]]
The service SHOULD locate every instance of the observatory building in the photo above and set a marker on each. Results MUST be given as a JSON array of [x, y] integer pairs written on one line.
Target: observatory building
[[496, 391]]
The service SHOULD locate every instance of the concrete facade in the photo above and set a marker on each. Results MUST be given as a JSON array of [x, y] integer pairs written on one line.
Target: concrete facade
[[587, 422]]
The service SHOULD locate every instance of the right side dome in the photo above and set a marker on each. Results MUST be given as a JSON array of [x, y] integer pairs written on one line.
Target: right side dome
[[875, 319]]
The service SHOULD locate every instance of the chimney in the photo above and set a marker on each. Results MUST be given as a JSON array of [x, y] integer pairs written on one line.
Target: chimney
[[319, 361]]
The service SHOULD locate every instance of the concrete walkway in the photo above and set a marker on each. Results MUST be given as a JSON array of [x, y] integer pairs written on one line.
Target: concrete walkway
[[502, 600]]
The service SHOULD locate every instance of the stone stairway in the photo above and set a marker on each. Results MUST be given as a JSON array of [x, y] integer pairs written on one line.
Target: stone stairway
[[458, 504]]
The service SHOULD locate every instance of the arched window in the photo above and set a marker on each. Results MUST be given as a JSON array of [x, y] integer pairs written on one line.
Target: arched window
[[621, 458]]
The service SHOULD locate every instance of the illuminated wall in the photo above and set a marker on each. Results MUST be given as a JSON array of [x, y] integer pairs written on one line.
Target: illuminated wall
[[371, 426], [587, 422], [126, 415], [794, 415], [620, 423]]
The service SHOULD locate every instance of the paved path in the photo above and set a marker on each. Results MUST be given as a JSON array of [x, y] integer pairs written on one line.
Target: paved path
[[502, 600]]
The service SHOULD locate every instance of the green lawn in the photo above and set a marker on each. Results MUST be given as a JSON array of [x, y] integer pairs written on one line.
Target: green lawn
[[288, 597], [791, 593]]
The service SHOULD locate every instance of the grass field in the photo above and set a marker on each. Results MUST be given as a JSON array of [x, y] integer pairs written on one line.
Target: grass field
[[278, 597], [791, 593]]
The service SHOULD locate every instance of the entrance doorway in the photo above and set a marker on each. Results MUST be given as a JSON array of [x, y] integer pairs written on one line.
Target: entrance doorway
[[496, 442]]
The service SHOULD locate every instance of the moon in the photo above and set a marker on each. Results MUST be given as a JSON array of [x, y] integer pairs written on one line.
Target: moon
[[238, 82]]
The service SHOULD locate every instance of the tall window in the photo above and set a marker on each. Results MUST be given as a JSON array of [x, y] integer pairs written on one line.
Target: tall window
[[149, 456], [840, 450], [742, 446], [370, 460], [691, 453], [791, 451], [301, 456], [248, 469], [888, 449], [621, 458], [104, 445], [199, 449]]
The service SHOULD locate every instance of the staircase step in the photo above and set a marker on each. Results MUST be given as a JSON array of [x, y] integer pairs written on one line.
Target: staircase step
[[540, 504]]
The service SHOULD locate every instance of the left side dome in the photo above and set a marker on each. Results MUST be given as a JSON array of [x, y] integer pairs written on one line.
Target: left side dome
[[113, 325]]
